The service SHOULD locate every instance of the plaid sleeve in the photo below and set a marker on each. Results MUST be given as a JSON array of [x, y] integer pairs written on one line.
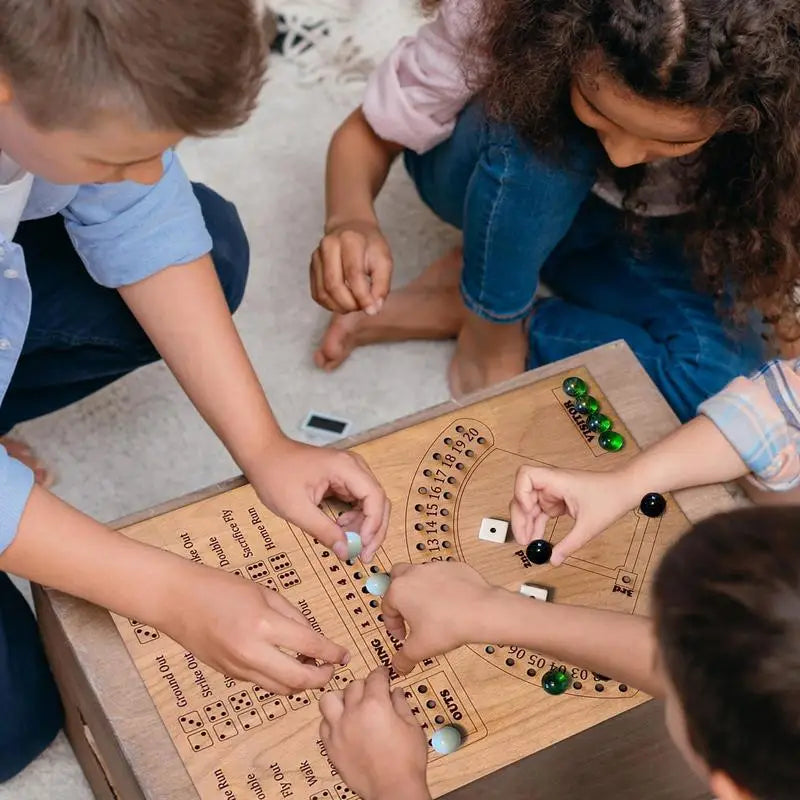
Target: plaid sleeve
[[760, 417]]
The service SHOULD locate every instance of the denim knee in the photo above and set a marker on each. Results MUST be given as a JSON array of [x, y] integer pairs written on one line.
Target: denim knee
[[230, 247], [31, 708]]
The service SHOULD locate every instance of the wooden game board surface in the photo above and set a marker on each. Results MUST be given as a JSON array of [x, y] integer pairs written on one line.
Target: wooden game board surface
[[443, 476], [494, 691]]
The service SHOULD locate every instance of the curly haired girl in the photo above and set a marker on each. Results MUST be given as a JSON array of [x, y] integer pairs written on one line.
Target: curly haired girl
[[639, 158]]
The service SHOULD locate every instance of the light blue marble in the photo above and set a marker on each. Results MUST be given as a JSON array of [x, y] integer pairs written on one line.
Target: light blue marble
[[354, 545], [378, 584], [446, 740]]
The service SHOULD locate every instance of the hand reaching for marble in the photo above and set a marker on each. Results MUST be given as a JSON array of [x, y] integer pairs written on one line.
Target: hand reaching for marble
[[295, 478], [594, 500], [247, 631], [374, 741], [442, 604]]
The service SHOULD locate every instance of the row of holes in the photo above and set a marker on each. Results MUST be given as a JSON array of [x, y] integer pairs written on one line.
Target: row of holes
[[531, 673], [462, 429]]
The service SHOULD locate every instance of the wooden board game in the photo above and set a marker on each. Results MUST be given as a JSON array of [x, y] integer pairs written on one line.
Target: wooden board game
[[443, 476]]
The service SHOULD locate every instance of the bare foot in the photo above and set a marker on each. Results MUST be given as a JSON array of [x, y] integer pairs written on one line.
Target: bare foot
[[340, 339], [487, 353], [21, 452], [429, 307]]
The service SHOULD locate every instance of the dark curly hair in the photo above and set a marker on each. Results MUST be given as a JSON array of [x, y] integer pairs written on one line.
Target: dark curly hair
[[739, 58]]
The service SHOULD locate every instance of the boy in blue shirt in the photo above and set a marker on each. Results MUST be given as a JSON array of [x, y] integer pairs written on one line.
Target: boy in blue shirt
[[110, 259]]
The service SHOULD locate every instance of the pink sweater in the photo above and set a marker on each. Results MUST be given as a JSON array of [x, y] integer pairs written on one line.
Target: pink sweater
[[415, 95]]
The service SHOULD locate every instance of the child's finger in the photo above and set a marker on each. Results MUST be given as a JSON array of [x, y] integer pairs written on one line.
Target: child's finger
[[325, 731], [298, 638], [521, 522], [400, 569], [317, 524], [364, 487], [413, 651], [377, 540], [402, 663], [317, 281], [333, 275], [372, 539], [267, 663], [401, 706], [354, 268], [393, 620], [377, 684], [574, 540], [379, 268], [539, 525], [331, 706], [354, 693]]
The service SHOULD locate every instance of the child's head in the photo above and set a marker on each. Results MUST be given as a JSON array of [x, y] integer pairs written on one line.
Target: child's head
[[667, 78], [727, 614], [96, 90]]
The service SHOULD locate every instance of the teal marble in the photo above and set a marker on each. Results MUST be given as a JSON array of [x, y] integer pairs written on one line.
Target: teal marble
[[378, 584], [354, 545], [446, 740]]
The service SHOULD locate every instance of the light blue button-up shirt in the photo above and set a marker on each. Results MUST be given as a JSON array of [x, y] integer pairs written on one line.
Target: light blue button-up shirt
[[123, 232]]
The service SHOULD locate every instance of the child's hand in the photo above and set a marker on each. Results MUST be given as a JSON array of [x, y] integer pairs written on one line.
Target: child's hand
[[244, 630], [351, 270], [294, 478], [443, 604], [374, 741], [593, 499]]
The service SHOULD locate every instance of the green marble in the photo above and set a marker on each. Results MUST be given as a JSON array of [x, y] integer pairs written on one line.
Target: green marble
[[611, 441], [555, 681], [587, 405], [599, 423], [575, 387]]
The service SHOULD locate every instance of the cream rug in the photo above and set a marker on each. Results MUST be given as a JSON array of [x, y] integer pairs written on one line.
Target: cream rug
[[139, 442]]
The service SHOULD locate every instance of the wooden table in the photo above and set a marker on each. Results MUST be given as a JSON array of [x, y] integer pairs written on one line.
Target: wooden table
[[127, 752]]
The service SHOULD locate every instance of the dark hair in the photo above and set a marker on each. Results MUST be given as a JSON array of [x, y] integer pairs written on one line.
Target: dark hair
[[739, 58], [192, 65], [727, 615]]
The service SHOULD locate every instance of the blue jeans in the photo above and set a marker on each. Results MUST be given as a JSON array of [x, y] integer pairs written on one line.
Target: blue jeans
[[525, 219], [81, 337]]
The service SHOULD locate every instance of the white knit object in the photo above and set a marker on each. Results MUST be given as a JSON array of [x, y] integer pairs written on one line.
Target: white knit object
[[358, 36]]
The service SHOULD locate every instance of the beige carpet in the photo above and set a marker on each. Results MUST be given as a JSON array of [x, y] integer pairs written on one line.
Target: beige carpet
[[140, 442]]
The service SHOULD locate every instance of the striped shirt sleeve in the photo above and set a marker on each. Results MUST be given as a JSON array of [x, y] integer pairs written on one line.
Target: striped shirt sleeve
[[760, 417]]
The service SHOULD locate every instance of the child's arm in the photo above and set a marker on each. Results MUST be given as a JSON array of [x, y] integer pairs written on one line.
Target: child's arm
[[351, 268], [374, 741], [371, 736], [235, 626], [695, 454], [411, 101], [446, 605], [751, 428], [183, 311]]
